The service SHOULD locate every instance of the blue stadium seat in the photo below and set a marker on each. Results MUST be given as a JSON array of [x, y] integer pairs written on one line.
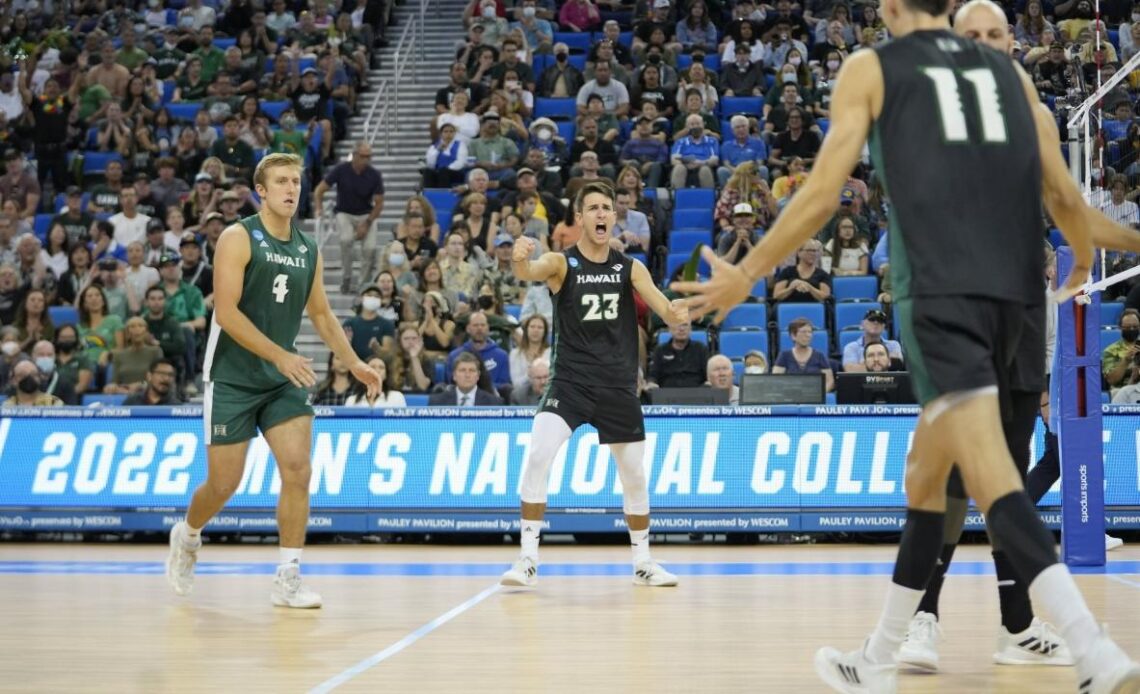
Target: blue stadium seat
[[760, 289], [1108, 336], [746, 316], [555, 109], [786, 313], [576, 41], [685, 240], [1114, 38], [639, 257], [846, 337], [748, 105], [650, 194], [443, 201], [676, 260], [566, 130], [168, 87], [61, 201], [1109, 311], [184, 111], [513, 310], [824, 124], [40, 226], [711, 62], [90, 399], [738, 370], [274, 109], [62, 315], [851, 315], [737, 344], [538, 63], [171, 16], [96, 162], [864, 288], [306, 63], [701, 336], [91, 142], [578, 60], [693, 218], [818, 341], [694, 198], [440, 375], [416, 399], [896, 323], [222, 42], [1114, 129], [1056, 238]]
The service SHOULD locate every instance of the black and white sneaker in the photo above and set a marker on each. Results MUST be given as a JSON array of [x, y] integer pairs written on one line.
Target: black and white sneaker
[[524, 572], [852, 673], [1040, 644], [1106, 669]]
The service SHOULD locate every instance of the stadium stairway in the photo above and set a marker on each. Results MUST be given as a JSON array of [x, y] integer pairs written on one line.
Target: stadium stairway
[[400, 164]]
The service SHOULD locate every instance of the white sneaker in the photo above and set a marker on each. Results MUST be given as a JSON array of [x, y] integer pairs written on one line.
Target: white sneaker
[[650, 573], [524, 572], [851, 673], [920, 650], [1040, 644], [181, 560], [1111, 543], [288, 591], [1106, 669]]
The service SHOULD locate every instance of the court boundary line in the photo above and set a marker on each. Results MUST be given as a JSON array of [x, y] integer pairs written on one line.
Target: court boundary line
[[382, 655], [1125, 581]]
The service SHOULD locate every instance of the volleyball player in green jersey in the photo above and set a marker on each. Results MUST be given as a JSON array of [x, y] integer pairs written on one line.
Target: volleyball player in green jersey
[[267, 274], [967, 166]]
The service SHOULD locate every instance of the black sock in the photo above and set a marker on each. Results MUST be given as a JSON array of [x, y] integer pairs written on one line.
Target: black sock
[[918, 549], [1016, 612], [1026, 541], [1047, 470], [934, 585]]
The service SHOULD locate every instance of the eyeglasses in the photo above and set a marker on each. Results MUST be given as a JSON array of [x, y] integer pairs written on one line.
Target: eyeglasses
[[165, 372]]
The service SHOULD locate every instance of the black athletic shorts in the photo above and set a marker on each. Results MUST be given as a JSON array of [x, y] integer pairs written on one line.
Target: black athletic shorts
[[614, 412], [960, 343], [1027, 372]]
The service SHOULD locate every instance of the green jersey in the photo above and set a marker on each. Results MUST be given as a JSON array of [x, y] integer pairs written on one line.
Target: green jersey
[[275, 289]]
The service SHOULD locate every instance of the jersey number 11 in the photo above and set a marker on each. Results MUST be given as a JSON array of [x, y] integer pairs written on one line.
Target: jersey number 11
[[954, 114]]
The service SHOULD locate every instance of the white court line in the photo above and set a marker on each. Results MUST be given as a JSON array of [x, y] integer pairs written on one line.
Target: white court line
[[1125, 581], [379, 657]]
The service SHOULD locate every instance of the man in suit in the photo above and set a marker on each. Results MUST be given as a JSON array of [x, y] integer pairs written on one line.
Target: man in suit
[[465, 392], [538, 373]]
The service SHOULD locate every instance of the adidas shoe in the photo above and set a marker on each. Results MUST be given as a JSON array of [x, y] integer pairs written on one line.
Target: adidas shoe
[[650, 573], [1106, 669], [1040, 644], [920, 650], [852, 673], [181, 560], [524, 572], [289, 591], [1111, 543]]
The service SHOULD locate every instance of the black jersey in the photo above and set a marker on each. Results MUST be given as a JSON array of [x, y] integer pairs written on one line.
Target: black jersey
[[595, 323], [956, 147]]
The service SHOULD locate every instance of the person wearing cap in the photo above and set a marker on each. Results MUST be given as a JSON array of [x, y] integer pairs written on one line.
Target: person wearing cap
[[368, 331], [195, 269], [742, 77], [560, 79], [212, 228], [874, 325], [130, 225], [73, 218], [734, 243], [609, 128], [168, 57], [156, 244], [311, 103], [495, 154], [359, 202], [645, 152], [235, 153], [500, 274], [849, 207], [229, 202], [147, 202], [661, 18], [755, 362]]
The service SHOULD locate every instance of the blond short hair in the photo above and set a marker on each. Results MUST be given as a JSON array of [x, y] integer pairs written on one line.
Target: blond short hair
[[275, 160]]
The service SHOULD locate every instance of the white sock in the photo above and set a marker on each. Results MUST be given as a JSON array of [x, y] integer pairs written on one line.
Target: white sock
[[290, 555], [531, 529], [639, 543], [1056, 595], [891, 630], [194, 535]]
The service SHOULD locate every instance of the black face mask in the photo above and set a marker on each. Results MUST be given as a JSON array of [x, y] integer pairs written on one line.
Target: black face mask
[[655, 59], [1130, 334], [561, 57], [28, 385], [486, 302], [67, 346]]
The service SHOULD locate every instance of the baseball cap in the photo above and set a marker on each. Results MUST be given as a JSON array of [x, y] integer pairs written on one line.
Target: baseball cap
[[168, 258], [847, 197], [230, 195], [875, 315], [755, 353], [203, 176], [74, 190], [504, 239], [155, 226], [212, 216], [525, 170], [742, 208], [660, 3], [309, 71], [188, 239], [371, 288], [491, 114], [142, 176], [108, 264]]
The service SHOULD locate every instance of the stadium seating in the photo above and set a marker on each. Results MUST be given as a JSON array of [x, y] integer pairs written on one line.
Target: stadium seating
[[685, 240], [737, 344], [864, 288], [63, 315], [676, 260], [1110, 313], [746, 316], [747, 105], [851, 315], [555, 109], [693, 218], [786, 313], [701, 336], [819, 341], [694, 198]]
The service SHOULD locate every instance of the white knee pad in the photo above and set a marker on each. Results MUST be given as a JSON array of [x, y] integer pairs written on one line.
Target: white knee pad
[[631, 468], [547, 435]]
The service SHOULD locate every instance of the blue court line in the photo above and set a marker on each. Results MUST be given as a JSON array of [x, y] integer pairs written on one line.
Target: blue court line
[[380, 656], [484, 569]]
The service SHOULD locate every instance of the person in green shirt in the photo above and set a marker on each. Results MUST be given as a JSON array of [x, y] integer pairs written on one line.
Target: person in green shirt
[[168, 57], [99, 330], [71, 360], [212, 56], [193, 85], [93, 103], [163, 327], [288, 139], [1117, 360], [184, 301], [130, 55]]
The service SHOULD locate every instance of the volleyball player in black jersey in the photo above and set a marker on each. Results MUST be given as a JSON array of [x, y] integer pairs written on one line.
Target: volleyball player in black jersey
[[957, 143], [593, 373]]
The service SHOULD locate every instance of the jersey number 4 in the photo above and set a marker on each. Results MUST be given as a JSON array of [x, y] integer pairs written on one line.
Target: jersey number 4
[[280, 287], [953, 112], [600, 306]]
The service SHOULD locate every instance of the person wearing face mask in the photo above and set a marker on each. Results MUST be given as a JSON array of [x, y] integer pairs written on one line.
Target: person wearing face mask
[[742, 77], [27, 388], [169, 58], [10, 353], [755, 362], [560, 79], [52, 380], [694, 157], [288, 138], [1118, 361], [368, 331], [71, 361], [538, 32], [395, 261]]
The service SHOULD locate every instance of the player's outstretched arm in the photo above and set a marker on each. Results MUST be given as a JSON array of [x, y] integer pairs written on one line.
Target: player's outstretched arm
[[549, 268], [672, 312], [329, 328], [858, 93], [230, 259]]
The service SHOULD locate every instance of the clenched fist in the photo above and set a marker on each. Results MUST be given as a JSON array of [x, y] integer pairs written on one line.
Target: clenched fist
[[524, 249]]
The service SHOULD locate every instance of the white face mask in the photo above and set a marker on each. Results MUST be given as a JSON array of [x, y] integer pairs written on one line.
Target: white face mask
[[397, 259], [833, 65], [489, 12], [10, 349], [545, 135], [1136, 16], [754, 369], [789, 77], [795, 60], [528, 12], [45, 364], [370, 303]]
